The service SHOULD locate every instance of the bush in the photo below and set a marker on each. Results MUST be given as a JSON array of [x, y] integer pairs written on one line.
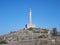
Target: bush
[[30, 29], [45, 31], [3, 42], [40, 37]]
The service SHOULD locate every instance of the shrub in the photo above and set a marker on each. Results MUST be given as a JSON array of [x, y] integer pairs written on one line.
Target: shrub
[[3, 42], [30, 29]]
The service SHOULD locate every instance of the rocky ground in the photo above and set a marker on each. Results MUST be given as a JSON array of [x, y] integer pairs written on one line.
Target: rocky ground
[[35, 42]]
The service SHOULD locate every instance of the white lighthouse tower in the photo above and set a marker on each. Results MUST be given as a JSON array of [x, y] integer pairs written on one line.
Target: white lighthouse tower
[[30, 25]]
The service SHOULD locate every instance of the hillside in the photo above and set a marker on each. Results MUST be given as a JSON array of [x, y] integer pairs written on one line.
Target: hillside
[[25, 34]]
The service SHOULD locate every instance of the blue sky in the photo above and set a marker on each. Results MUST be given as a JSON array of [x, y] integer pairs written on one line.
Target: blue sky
[[14, 14]]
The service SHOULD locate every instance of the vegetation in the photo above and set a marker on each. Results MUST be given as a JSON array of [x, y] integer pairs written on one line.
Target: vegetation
[[40, 37], [46, 31], [34, 31], [54, 33], [17, 38], [30, 29], [3, 42]]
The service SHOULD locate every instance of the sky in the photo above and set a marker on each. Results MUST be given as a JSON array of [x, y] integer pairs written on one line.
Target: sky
[[14, 14]]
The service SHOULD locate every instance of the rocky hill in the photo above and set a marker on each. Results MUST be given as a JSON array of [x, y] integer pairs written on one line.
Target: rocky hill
[[31, 36], [25, 34]]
